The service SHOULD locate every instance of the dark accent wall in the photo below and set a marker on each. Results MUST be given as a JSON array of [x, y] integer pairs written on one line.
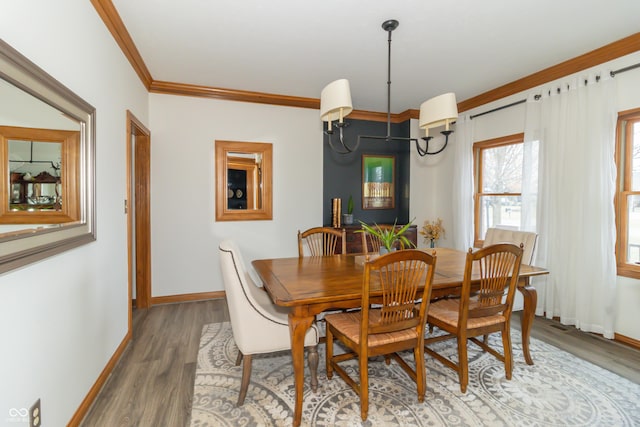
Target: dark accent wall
[[342, 173]]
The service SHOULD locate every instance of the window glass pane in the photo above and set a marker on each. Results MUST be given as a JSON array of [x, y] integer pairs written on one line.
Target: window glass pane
[[501, 212], [502, 169], [633, 229], [635, 168]]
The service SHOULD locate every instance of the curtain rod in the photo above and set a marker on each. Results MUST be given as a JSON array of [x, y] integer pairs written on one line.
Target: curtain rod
[[622, 70], [498, 109], [612, 73]]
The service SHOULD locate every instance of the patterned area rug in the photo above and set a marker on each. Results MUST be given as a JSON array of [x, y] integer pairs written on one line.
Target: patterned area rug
[[559, 390]]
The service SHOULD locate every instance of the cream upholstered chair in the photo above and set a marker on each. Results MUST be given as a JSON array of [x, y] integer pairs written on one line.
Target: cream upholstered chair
[[258, 325], [479, 312], [526, 238], [404, 278], [321, 241]]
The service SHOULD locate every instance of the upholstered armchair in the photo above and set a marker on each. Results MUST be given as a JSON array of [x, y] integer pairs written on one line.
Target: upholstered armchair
[[258, 325], [526, 238]]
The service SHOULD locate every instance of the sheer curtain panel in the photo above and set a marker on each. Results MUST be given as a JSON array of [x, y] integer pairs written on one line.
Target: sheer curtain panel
[[463, 184], [574, 123]]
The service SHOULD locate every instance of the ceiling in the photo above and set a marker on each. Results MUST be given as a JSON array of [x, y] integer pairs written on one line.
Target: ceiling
[[294, 48]]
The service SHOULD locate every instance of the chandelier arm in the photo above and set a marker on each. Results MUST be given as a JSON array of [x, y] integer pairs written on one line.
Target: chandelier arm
[[424, 151], [345, 148]]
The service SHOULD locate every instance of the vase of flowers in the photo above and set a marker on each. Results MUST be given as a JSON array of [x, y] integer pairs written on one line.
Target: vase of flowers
[[432, 231]]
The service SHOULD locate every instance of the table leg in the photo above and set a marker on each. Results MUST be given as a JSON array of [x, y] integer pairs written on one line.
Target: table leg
[[530, 301], [299, 323]]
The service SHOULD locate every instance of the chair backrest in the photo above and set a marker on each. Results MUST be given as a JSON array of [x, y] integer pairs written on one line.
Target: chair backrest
[[321, 241], [527, 238], [405, 279], [248, 304], [369, 240], [498, 267]]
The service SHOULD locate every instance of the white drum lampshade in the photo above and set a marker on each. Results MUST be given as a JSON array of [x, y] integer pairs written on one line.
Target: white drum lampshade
[[335, 101], [438, 111]]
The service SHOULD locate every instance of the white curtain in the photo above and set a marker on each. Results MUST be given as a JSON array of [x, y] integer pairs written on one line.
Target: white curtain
[[574, 123], [462, 184], [530, 168]]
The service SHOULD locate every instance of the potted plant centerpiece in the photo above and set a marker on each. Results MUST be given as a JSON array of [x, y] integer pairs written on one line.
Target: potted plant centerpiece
[[347, 218], [388, 236]]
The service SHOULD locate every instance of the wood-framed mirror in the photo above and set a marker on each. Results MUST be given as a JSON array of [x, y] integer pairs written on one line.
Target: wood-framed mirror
[[43, 172], [243, 181], [47, 164]]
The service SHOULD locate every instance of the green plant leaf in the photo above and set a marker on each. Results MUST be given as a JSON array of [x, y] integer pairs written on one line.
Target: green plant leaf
[[388, 236]]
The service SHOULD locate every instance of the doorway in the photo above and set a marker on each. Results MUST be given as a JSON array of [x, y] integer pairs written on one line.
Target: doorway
[[138, 211]]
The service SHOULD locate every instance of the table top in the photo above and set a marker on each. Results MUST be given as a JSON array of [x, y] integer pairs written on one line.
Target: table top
[[314, 280]]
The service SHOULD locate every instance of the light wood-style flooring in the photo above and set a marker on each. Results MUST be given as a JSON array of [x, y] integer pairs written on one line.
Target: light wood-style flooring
[[153, 382]]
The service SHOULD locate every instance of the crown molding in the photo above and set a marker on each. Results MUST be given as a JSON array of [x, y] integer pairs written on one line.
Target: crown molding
[[172, 88], [116, 27], [112, 20]]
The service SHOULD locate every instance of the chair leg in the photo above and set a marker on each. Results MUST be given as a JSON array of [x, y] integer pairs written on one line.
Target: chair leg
[[329, 353], [239, 358], [364, 385], [507, 351], [421, 380], [463, 363], [313, 366], [246, 377]]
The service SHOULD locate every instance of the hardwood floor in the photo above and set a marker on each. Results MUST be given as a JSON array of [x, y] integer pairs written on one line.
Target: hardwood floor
[[153, 382], [612, 355]]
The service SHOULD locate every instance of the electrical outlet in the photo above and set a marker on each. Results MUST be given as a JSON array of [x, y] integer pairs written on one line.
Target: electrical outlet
[[35, 415]]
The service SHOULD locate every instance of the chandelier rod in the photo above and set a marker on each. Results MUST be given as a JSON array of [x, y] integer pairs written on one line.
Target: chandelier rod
[[389, 26]]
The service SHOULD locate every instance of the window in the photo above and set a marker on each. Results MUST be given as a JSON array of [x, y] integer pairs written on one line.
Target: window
[[498, 177], [628, 197]]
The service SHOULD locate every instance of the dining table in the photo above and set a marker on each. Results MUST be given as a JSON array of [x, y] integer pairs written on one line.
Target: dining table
[[309, 286]]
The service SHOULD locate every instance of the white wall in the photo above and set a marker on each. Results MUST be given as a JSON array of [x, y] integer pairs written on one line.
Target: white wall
[[185, 235], [431, 179], [430, 191], [61, 319]]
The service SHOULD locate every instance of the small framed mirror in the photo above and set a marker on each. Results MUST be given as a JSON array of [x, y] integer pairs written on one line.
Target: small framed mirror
[[43, 175], [243, 181], [47, 158]]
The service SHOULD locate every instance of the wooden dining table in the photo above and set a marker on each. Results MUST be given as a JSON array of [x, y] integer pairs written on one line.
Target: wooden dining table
[[311, 285]]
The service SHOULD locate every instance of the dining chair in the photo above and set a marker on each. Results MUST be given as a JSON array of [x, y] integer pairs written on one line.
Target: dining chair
[[401, 282], [527, 238], [258, 325], [321, 241], [483, 307]]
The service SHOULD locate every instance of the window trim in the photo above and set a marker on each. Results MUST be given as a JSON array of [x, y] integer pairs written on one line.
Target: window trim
[[626, 119], [478, 148]]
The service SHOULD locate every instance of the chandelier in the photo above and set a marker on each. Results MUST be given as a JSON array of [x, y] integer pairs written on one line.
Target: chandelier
[[335, 105]]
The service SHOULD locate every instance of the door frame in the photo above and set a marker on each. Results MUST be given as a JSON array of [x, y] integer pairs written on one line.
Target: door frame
[[138, 185]]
